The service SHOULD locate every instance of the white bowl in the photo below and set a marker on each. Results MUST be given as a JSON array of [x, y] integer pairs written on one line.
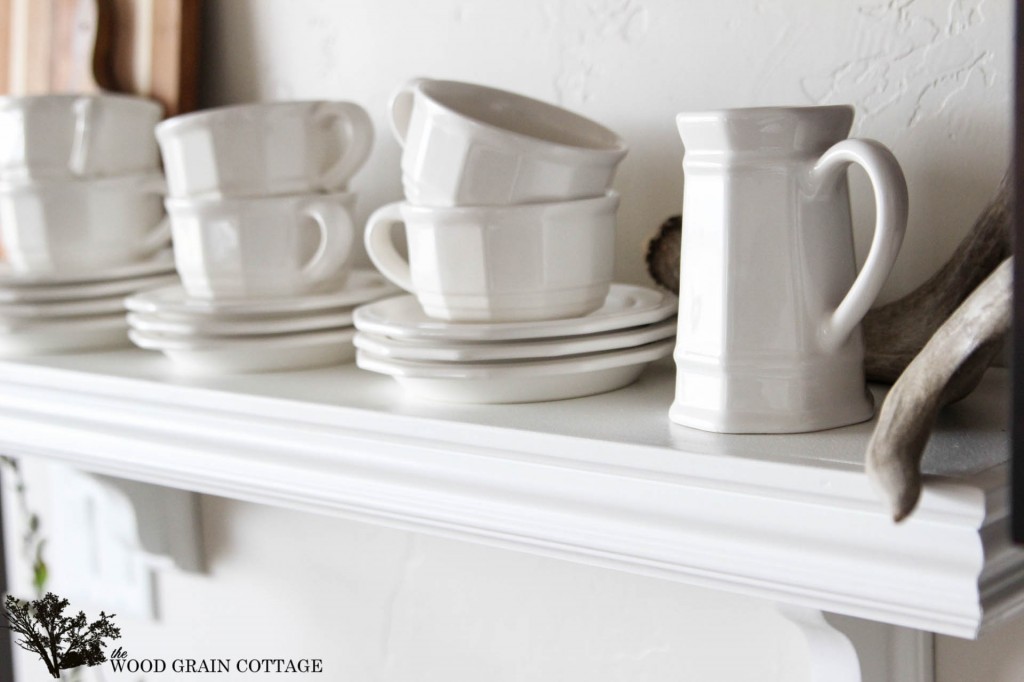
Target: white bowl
[[263, 149], [471, 145], [360, 287], [627, 305], [77, 136], [61, 227], [64, 335], [284, 352], [500, 263], [533, 349], [519, 381], [189, 326]]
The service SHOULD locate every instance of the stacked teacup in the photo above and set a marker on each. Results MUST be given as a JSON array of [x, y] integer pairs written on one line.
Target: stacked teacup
[[263, 232], [509, 219], [81, 218]]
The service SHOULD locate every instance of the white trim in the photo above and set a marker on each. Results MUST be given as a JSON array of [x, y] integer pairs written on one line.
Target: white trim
[[546, 479], [830, 653]]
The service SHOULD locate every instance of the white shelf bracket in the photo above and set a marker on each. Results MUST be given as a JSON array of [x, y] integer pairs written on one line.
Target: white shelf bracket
[[111, 537], [847, 649], [831, 655], [167, 522]]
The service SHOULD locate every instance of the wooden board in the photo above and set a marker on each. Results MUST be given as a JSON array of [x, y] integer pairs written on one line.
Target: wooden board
[[145, 47]]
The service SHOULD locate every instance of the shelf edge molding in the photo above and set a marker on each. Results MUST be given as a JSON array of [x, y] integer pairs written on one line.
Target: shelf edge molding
[[951, 573]]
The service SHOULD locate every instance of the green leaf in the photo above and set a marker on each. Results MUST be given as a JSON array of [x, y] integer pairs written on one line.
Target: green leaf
[[40, 574]]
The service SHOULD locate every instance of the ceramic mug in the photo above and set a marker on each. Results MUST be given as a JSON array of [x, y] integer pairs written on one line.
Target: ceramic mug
[[83, 136], [61, 226], [265, 149], [264, 246], [470, 145], [770, 300], [500, 263]]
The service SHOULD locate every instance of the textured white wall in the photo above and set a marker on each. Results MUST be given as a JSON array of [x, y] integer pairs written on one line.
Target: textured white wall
[[930, 78]]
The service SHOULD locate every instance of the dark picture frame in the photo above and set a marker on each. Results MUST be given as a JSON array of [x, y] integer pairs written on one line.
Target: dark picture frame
[[1017, 361]]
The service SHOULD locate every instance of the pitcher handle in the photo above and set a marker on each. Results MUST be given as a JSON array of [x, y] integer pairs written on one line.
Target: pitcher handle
[[890, 188]]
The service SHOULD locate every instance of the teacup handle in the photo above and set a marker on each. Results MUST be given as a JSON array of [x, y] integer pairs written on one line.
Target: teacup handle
[[357, 140], [892, 206], [84, 110], [336, 236], [400, 109], [381, 249]]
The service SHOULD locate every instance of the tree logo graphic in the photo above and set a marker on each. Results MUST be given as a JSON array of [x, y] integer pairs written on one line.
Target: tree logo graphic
[[62, 642]]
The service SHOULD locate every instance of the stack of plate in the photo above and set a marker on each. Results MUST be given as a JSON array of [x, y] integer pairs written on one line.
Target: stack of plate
[[58, 313], [226, 336], [512, 362]]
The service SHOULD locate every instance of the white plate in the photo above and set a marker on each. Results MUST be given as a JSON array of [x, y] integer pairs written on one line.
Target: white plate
[[92, 306], [161, 263], [360, 287], [62, 293], [441, 351], [401, 317], [212, 326], [519, 381], [256, 354], [63, 336]]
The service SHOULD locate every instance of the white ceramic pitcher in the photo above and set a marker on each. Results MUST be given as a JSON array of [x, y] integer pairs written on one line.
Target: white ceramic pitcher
[[770, 299]]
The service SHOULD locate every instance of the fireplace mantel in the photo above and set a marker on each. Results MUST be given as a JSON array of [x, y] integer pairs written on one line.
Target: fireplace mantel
[[605, 480]]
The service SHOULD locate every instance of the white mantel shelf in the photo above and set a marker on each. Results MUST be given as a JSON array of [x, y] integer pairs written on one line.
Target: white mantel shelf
[[605, 480]]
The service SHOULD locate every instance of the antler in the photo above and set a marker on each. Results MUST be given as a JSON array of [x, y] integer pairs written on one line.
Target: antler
[[958, 352], [896, 332]]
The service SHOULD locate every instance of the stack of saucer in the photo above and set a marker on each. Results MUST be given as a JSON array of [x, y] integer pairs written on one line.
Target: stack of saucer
[[224, 336], [73, 312], [263, 235], [81, 218], [510, 362], [510, 223]]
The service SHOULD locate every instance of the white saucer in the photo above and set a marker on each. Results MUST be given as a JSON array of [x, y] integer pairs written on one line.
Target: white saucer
[[253, 354], [211, 326], [160, 263], [360, 287], [401, 317], [62, 336], [519, 381], [441, 351], [92, 306], [74, 292]]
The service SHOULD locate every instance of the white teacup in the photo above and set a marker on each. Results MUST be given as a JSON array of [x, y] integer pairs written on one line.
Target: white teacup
[[77, 136], [470, 145], [63, 226], [500, 263], [265, 149], [264, 246]]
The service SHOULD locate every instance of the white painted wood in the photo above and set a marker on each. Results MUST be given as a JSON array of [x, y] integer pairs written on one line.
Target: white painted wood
[[911, 655], [889, 653], [605, 480], [112, 537], [166, 523], [93, 547], [831, 654]]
